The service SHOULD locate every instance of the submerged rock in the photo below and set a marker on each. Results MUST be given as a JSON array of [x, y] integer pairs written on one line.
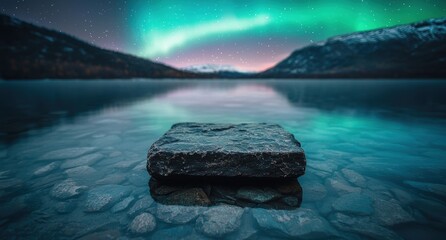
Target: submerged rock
[[257, 195], [439, 189], [143, 223], [141, 205], [122, 204], [389, 213], [116, 178], [314, 191], [81, 171], [103, 197], [354, 177], [67, 153], [219, 221], [65, 207], [354, 203], [66, 189], [276, 194], [42, 171], [342, 186], [302, 223], [257, 150], [362, 226], [188, 197], [86, 160], [177, 214]]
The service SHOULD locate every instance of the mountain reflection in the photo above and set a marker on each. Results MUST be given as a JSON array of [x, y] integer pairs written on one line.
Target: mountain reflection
[[28, 105]]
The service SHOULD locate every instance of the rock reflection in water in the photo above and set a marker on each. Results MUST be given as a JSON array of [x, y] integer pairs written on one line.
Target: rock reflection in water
[[284, 194]]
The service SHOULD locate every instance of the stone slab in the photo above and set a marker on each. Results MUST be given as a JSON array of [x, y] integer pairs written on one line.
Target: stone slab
[[249, 150]]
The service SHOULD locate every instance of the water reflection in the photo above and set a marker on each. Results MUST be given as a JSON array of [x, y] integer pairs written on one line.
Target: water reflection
[[381, 142], [28, 105], [266, 193]]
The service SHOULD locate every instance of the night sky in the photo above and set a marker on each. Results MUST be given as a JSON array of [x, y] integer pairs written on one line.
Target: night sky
[[250, 35]]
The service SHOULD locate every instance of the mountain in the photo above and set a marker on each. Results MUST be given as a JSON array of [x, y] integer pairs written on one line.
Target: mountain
[[405, 51], [31, 52], [224, 71]]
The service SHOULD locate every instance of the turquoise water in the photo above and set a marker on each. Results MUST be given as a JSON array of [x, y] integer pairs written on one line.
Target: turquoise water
[[73, 157]]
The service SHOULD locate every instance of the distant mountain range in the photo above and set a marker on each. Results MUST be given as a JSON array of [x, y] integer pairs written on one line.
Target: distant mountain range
[[223, 71], [31, 52], [406, 51], [415, 50]]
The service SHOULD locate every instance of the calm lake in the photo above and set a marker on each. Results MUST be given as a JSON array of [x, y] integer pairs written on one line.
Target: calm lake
[[376, 156]]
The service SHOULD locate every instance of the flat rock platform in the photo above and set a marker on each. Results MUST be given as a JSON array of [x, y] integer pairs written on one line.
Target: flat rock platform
[[228, 151]]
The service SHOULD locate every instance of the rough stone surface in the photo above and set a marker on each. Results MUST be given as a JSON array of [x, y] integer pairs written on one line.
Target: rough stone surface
[[219, 221], [177, 214], [226, 150], [143, 223], [103, 197], [66, 189], [354, 203], [301, 223]]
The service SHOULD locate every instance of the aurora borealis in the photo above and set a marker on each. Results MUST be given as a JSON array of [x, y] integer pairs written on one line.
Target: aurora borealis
[[250, 35]]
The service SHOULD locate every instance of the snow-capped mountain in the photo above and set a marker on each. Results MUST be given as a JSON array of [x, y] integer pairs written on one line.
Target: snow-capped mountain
[[210, 68], [405, 51]]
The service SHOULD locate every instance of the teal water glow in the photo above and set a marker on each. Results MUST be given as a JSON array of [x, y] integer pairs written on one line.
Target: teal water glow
[[384, 140]]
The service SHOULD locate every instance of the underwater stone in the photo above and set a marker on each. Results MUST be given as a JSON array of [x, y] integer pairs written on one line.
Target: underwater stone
[[435, 188], [143, 223], [257, 195], [362, 226], [67, 153], [301, 223], [86, 160], [254, 150], [354, 177], [142, 204], [65, 207], [188, 197], [177, 214], [80, 172], [354, 203], [219, 221], [314, 191], [103, 197], [42, 171], [341, 186], [269, 194], [389, 213], [122, 204], [66, 189]]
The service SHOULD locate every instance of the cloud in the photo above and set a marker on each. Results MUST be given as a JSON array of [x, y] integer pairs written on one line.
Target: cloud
[[162, 43]]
